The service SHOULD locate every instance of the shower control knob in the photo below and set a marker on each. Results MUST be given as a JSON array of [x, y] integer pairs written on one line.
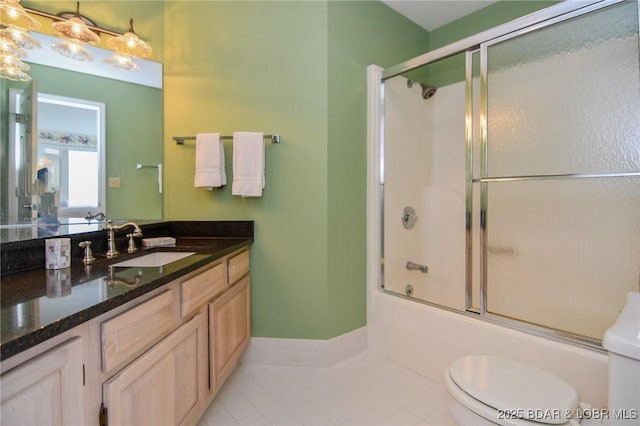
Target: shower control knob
[[409, 217]]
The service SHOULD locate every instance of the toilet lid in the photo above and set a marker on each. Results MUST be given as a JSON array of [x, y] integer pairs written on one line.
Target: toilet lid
[[516, 388]]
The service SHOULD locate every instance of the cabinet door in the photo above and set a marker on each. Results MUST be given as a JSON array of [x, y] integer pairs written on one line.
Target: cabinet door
[[230, 328], [46, 390], [167, 385]]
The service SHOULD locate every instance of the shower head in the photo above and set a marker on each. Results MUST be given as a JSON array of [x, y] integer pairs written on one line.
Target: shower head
[[427, 91]]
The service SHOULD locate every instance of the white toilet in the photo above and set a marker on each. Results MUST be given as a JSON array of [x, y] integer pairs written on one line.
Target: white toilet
[[489, 390]]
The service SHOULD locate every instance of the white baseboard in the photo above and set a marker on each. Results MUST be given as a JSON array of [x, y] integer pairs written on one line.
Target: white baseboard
[[305, 352]]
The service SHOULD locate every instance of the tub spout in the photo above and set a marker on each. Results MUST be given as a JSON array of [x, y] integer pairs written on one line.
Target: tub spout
[[417, 267]]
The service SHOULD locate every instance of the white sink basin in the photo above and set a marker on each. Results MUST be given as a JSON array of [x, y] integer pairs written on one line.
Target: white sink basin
[[150, 260]]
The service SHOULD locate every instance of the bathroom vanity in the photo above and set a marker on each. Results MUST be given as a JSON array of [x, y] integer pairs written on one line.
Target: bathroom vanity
[[135, 345]]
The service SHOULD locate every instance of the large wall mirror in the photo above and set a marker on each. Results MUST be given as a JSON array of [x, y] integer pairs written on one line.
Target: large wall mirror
[[74, 140]]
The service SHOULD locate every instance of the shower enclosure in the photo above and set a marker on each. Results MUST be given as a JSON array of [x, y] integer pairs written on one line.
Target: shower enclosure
[[510, 172]]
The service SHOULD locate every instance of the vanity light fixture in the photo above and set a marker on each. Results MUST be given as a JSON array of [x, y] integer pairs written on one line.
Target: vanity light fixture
[[13, 73], [12, 68], [75, 28], [126, 46], [15, 23], [12, 13], [20, 37], [7, 45], [130, 44], [13, 41]]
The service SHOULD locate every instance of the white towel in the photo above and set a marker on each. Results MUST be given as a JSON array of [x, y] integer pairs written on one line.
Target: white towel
[[248, 164], [210, 168]]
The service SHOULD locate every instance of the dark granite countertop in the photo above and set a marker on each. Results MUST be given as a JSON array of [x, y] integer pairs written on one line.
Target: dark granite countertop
[[39, 304]]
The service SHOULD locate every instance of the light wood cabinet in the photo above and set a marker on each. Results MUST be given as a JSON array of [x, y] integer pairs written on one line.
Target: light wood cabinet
[[167, 385], [47, 390], [229, 330], [156, 360], [175, 380]]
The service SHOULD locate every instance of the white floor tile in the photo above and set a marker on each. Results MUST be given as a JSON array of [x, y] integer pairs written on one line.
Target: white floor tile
[[361, 391], [255, 419], [274, 412], [217, 415]]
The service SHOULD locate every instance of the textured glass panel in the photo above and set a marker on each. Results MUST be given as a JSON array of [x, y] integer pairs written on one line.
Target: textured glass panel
[[563, 253], [566, 98], [475, 105]]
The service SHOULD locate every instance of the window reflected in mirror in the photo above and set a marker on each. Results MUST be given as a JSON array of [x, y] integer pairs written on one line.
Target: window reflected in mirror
[[69, 172]]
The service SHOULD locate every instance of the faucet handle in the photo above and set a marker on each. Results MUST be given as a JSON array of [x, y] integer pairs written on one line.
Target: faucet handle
[[88, 254], [132, 244]]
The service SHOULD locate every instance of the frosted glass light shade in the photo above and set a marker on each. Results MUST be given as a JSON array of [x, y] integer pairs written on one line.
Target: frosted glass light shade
[[12, 13], [13, 73], [75, 29], [20, 37], [123, 62], [12, 61], [72, 50], [130, 44], [9, 47]]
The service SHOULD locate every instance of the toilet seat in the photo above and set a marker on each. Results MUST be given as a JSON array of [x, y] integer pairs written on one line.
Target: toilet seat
[[508, 392]]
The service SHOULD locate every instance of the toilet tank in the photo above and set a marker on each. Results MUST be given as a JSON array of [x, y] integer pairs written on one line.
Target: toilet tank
[[622, 341]]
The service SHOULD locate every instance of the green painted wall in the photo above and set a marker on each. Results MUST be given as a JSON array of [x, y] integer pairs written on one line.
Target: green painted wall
[[360, 34], [289, 68], [257, 66]]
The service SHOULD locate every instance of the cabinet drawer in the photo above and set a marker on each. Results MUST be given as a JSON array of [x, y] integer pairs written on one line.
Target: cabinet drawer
[[136, 329], [238, 266], [198, 290]]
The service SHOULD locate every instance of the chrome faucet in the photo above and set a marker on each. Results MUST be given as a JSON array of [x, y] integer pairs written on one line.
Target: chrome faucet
[[112, 250]]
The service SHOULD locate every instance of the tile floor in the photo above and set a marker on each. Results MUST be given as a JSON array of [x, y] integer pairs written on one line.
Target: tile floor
[[363, 390]]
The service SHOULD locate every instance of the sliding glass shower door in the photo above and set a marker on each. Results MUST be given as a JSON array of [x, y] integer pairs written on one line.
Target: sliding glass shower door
[[559, 183], [511, 173]]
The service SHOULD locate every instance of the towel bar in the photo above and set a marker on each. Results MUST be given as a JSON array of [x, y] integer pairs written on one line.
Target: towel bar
[[180, 139]]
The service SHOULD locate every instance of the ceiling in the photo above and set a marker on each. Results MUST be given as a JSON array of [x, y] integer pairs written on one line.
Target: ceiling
[[431, 14]]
